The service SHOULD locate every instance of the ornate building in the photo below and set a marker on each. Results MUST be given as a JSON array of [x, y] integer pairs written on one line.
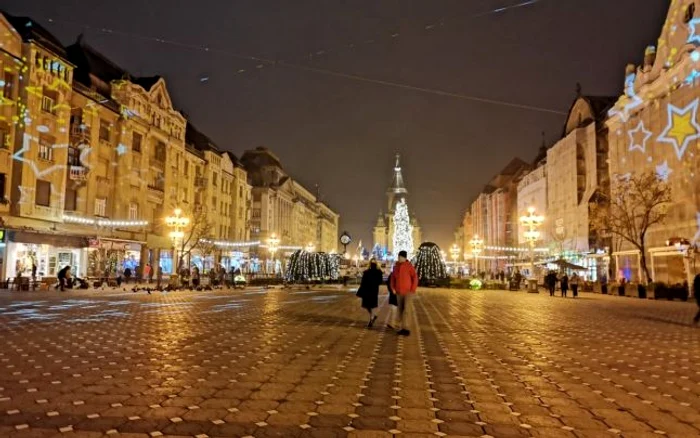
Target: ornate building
[[654, 127], [283, 207], [384, 228]]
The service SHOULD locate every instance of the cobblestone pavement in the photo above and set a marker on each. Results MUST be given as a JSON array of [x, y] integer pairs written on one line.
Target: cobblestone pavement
[[302, 364]]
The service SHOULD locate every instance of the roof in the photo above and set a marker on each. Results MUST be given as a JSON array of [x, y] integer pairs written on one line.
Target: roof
[[30, 30], [200, 141], [397, 184], [234, 159], [514, 167], [260, 157], [599, 108], [89, 61]]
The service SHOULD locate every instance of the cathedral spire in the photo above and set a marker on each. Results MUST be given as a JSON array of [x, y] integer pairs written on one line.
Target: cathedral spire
[[397, 190]]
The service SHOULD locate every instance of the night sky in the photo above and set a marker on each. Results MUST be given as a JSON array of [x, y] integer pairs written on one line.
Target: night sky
[[342, 133]]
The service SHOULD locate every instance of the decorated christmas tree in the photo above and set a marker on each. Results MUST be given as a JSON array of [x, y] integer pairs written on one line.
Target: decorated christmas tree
[[403, 231], [312, 266], [429, 265]]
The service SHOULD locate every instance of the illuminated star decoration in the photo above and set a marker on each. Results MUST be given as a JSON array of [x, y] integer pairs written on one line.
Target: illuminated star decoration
[[635, 100], [693, 36], [663, 171], [121, 149], [19, 156], [682, 127], [638, 137]]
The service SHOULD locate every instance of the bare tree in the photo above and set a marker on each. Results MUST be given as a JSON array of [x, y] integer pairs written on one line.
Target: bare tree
[[636, 203], [197, 235]]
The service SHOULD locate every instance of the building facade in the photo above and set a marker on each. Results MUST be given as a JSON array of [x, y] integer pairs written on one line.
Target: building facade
[[93, 159], [284, 208], [654, 127]]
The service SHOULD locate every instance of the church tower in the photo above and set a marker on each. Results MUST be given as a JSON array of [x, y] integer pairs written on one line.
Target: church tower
[[383, 231], [397, 190]]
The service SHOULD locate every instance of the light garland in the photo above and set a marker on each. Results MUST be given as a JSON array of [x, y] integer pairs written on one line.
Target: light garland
[[429, 263], [513, 249], [307, 266], [227, 244], [102, 222]]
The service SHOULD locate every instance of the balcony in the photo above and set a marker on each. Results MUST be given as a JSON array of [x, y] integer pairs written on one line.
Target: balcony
[[200, 182], [77, 173]]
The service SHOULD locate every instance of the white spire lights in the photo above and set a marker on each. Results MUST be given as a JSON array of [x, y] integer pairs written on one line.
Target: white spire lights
[[403, 231]]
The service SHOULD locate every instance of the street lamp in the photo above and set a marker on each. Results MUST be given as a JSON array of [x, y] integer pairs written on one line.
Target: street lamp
[[454, 252], [531, 222], [273, 244], [476, 245], [177, 223]]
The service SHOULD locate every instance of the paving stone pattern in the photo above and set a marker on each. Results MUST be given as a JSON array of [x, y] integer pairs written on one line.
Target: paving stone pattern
[[277, 363]]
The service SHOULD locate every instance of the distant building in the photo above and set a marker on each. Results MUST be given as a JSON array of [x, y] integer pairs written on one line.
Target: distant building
[[383, 231], [282, 207]]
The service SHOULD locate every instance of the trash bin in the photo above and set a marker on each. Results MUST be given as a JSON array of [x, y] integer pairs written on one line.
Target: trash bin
[[532, 286]]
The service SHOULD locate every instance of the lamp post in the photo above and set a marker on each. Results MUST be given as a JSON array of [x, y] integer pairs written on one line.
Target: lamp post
[[273, 243], [531, 222], [476, 243], [177, 223], [454, 252]]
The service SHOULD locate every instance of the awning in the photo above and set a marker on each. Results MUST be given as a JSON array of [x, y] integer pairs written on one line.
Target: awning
[[38, 238], [563, 264]]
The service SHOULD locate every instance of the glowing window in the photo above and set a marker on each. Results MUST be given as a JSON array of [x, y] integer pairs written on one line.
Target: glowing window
[[133, 211], [46, 147], [8, 86], [4, 136], [48, 101]]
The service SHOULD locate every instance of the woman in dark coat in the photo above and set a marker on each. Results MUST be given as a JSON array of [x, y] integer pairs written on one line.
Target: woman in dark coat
[[372, 278]]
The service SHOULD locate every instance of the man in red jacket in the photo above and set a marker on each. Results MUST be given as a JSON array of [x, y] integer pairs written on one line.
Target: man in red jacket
[[404, 282]]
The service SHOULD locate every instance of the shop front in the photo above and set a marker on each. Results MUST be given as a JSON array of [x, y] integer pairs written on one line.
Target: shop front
[[111, 257], [49, 253]]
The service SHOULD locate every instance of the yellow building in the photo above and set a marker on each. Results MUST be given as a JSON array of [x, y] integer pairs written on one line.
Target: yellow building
[[93, 159], [654, 127]]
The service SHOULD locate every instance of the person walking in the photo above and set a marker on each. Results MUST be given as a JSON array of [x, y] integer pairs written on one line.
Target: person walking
[[63, 276], [127, 275], [696, 292], [574, 284], [195, 277], [404, 282], [564, 284], [372, 278], [551, 282], [147, 273]]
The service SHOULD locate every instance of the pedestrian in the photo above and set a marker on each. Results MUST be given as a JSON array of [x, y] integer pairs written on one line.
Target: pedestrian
[[372, 278], [551, 282], [195, 277], [574, 284], [604, 284], [147, 273], [393, 302], [696, 292], [404, 283], [63, 276], [564, 284], [222, 276], [127, 275], [33, 275]]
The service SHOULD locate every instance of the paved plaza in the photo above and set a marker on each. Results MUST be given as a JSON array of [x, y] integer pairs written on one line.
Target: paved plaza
[[282, 363]]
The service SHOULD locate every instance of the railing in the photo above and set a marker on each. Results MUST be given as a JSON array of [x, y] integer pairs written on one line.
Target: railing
[[77, 173]]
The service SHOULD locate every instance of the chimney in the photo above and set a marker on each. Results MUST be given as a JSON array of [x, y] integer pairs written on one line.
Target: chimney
[[649, 57]]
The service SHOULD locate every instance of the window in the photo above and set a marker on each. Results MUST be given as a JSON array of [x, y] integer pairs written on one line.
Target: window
[[43, 193], [100, 207], [213, 203], [689, 13], [105, 127], [159, 151], [48, 101], [4, 136], [187, 167], [71, 201], [46, 147], [3, 178], [133, 211], [240, 191], [9, 86], [215, 179], [136, 142], [73, 156]]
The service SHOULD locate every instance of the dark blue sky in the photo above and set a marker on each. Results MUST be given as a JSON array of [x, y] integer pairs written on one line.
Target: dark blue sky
[[343, 133]]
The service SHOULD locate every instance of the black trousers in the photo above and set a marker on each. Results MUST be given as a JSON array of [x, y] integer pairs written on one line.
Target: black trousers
[[697, 316], [574, 289], [564, 291], [552, 288], [61, 283]]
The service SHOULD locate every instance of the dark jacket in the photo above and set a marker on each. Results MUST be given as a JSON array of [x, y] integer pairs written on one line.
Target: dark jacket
[[393, 300], [564, 281], [696, 288], [372, 278]]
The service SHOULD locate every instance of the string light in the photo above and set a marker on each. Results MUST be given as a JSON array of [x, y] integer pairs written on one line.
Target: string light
[[102, 222], [429, 263]]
